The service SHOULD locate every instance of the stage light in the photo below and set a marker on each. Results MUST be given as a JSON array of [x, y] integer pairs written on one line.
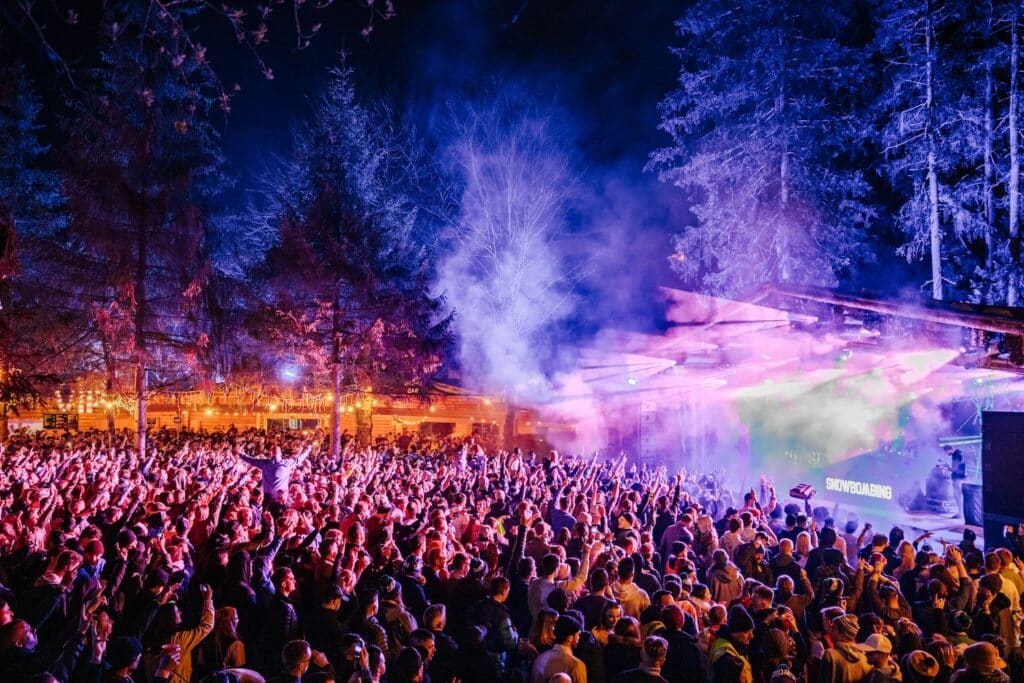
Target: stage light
[[288, 372], [631, 381]]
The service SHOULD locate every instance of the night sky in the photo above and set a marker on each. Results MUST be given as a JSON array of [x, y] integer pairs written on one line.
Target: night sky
[[606, 65]]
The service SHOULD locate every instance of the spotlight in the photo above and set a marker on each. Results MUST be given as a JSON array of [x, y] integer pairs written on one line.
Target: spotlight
[[631, 381]]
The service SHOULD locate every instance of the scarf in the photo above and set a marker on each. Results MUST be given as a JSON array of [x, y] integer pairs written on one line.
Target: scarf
[[650, 669]]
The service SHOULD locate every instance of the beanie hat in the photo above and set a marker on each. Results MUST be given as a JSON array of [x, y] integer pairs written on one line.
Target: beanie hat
[[126, 538], [388, 586], [960, 622], [122, 651], [782, 674], [922, 663], [846, 625], [886, 591], [477, 567], [740, 620], [94, 547], [156, 578]]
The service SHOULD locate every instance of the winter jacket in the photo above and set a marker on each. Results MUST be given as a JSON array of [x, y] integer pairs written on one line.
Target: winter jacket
[[634, 599], [844, 663], [725, 583]]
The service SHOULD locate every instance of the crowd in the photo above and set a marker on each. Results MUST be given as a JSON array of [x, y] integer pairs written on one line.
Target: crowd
[[251, 556]]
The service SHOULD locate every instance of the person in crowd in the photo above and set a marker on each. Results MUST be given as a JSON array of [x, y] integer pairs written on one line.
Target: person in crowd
[[982, 664], [844, 662], [878, 650], [560, 659], [652, 659]]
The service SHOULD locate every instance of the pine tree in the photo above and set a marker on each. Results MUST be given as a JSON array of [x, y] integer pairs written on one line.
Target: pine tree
[[34, 338], [761, 138], [141, 170], [346, 286]]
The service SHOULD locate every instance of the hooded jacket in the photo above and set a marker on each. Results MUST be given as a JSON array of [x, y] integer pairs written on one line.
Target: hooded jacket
[[725, 583], [844, 663]]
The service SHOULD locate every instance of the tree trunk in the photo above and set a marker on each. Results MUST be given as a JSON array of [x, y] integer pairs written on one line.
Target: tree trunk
[[990, 217], [1012, 293], [140, 334], [934, 227], [508, 433], [364, 421], [109, 385], [336, 381], [782, 239]]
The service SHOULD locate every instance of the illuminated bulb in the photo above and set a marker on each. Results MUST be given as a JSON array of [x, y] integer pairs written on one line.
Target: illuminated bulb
[[209, 411]]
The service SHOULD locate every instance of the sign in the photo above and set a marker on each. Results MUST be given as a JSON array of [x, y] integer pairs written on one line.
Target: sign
[[60, 421], [291, 423], [858, 488]]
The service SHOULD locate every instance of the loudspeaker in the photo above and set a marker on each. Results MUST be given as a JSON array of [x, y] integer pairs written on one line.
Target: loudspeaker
[[1002, 455], [974, 510]]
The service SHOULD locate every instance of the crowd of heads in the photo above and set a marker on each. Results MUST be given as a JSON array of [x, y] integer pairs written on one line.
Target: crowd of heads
[[251, 556]]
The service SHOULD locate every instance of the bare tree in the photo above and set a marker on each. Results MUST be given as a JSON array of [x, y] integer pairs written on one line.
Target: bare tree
[[507, 275]]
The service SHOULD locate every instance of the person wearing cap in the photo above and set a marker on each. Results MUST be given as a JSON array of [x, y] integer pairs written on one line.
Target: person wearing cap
[[492, 613], [844, 662], [878, 650], [411, 578], [560, 659], [323, 627], [142, 607], [887, 602], [394, 617], [982, 664], [960, 624], [727, 659], [120, 658]]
